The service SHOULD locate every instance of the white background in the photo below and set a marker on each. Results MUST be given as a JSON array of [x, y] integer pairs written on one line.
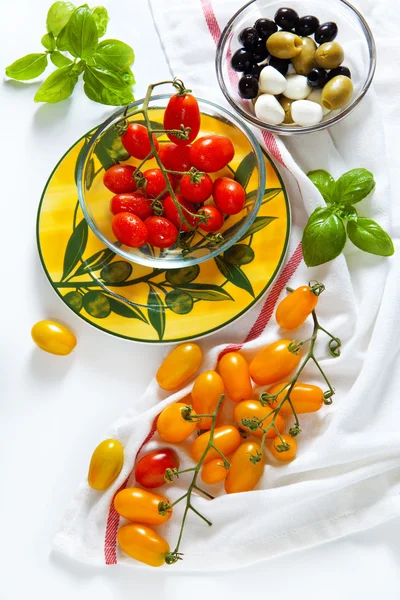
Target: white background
[[54, 410]]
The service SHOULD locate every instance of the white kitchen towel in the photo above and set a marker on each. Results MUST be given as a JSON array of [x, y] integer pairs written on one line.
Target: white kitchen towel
[[347, 473]]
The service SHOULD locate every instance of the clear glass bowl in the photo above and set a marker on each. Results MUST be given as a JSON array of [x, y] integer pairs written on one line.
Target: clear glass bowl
[[354, 35], [105, 149]]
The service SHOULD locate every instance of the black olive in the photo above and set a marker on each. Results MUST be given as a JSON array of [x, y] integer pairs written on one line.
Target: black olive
[[260, 51], [307, 25], [326, 32], [317, 78], [286, 18], [265, 28], [280, 64], [254, 70], [241, 60], [340, 71], [248, 37], [248, 87]]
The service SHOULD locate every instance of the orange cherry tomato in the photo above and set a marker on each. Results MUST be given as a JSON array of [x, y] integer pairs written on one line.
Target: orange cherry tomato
[[141, 506], [284, 455], [214, 471], [143, 544], [274, 362], [207, 390], [53, 337], [179, 366], [226, 439], [293, 310], [234, 371], [243, 475], [248, 409], [171, 425], [304, 396], [105, 464]]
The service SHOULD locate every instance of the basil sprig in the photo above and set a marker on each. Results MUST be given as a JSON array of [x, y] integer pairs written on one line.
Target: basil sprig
[[325, 234], [106, 65]]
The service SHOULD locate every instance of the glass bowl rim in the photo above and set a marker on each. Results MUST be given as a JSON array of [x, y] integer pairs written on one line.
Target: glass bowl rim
[[159, 262], [288, 130]]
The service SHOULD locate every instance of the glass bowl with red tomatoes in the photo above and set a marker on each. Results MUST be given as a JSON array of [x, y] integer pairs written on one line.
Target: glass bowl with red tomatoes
[[171, 180]]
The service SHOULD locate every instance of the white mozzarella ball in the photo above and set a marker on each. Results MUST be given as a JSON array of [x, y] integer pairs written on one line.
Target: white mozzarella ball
[[315, 96], [306, 113], [268, 109], [271, 81], [297, 87]]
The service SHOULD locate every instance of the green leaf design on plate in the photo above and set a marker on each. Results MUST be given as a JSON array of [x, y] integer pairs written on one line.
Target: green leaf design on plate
[[258, 224], [183, 275], [234, 274], [81, 151], [156, 312], [96, 304], [239, 254], [95, 262], [116, 272], [89, 174], [110, 150], [245, 169], [179, 302], [122, 309], [75, 248], [206, 291], [269, 194], [74, 301]]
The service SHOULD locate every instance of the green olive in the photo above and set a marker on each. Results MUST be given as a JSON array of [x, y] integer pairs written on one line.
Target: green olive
[[329, 55], [284, 44], [337, 92], [304, 62], [286, 104]]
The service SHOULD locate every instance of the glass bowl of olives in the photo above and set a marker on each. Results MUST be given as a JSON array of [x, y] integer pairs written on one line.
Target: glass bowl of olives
[[295, 68]]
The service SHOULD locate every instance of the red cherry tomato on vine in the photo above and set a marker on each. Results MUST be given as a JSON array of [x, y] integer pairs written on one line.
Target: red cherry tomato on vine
[[215, 218], [197, 187], [211, 153], [156, 182], [182, 110], [136, 141], [172, 214], [119, 179], [175, 158], [293, 310], [161, 232], [150, 470], [229, 195], [129, 229], [135, 203]]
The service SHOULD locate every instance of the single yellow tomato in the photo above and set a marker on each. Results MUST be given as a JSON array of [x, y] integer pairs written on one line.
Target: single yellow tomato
[[141, 506], [171, 425], [274, 362], [143, 544], [244, 473], [207, 390], [250, 409], [234, 371], [214, 471], [305, 398], [179, 366], [284, 455], [53, 337], [226, 439], [105, 464]]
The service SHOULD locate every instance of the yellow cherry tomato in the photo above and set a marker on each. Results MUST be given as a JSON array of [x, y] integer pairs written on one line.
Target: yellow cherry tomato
[[234, 371], [244, 474], [304, 397], [293, 310], [284, 455], [214, 471], [171, 425], [274, 362], [143, 544], [207, 390], [141, 506], [105, 464], [179, 366], [248, 409], [226, 439], [53, 337]]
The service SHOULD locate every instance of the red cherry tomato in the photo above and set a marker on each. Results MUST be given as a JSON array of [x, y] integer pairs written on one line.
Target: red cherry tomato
[[182, 110], [150, 470], [136, 141], [171, 212], [215, 218], [119, 179], [211, 153], [161, 232], [135, 203], [175, 158], [129, 229], [196, 188], [156, 182], [229, 195]]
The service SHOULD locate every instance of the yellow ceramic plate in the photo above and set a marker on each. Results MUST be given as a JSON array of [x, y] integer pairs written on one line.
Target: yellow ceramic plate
[[141, 304]]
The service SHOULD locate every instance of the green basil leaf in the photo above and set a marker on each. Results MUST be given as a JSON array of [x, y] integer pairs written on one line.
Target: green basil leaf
[[101, 18], [62, 41], [106, 87], [349, 213], [59, 60], [58, 86], [128, 77], [323, 238], [58, 16], [324, 182], [28, 67], [370, 237], [48, 41], [353, 186], [114, 55], [82, 33]]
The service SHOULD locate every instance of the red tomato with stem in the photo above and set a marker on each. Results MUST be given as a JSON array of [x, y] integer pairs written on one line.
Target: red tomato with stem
[[211, 153], [155, 182], [134, 203], [229, 195], [161, 232], [175, 158], [119, 179], [129, 229], [150, 470], [215, 218], [182, 109], [172, 213], [136, 141], [196, 187]]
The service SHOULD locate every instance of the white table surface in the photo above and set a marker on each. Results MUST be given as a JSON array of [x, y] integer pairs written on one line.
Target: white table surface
[[54, 411]]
